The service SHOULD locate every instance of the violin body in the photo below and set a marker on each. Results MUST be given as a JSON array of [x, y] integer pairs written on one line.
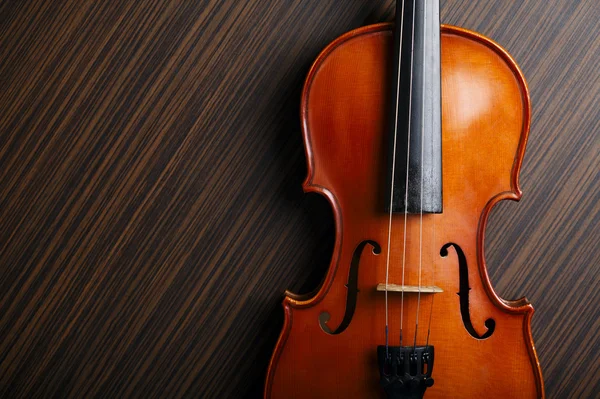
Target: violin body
[[483, 344]]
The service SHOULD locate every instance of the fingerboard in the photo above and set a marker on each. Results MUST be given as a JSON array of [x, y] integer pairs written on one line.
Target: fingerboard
[[415, 110]]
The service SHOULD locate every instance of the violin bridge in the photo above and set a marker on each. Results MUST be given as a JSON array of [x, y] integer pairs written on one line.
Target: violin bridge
[[424, 289]]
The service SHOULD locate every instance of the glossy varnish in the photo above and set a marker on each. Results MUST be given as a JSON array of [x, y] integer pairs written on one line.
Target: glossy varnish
[[485, 124]]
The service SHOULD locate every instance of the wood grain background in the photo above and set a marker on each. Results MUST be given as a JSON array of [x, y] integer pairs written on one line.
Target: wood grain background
[[151, 211]]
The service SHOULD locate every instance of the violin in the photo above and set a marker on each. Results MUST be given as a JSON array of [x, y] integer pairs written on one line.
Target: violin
[[413, 132]]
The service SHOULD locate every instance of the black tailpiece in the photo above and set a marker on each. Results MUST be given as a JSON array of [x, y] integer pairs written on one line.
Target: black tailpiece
[[405, 371]]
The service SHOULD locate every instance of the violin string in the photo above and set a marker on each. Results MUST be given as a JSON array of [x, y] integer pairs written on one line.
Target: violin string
[[433, 222], [412, 62], [422, 169], [389, 241], [433, 279]]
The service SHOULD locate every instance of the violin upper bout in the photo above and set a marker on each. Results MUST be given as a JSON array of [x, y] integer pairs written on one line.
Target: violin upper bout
[[485, 111], [485, 101]]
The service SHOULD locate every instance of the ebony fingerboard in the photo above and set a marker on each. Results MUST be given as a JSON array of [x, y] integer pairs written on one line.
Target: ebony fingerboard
[[151, 210], [415, 108]]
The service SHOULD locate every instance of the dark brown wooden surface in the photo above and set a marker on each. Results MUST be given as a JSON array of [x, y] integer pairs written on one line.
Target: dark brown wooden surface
[[151, 211]]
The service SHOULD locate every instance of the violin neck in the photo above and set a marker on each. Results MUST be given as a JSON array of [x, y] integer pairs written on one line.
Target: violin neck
[[416, 110]]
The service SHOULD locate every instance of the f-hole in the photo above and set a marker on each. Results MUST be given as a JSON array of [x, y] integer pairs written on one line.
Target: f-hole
[[463, 293], [352, 287]]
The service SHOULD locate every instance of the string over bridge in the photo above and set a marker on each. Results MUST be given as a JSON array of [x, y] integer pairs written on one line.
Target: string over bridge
[[413, 289]]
